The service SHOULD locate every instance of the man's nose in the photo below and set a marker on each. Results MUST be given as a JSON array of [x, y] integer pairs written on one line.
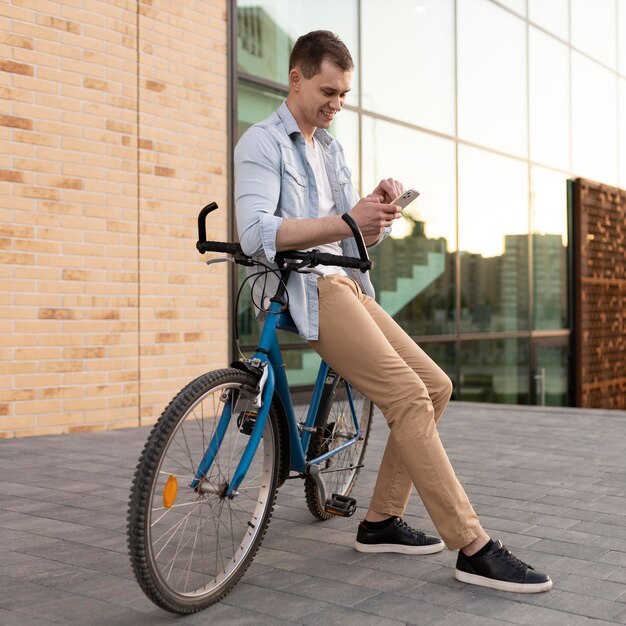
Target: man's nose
[[335, 103]]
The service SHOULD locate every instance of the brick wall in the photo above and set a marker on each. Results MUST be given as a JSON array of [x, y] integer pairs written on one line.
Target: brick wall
[[600, 289], [113, 136]]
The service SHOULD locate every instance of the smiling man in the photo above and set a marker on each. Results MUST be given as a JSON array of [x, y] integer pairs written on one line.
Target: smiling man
[[292, 185]]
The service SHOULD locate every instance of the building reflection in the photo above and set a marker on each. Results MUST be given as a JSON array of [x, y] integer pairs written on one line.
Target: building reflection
[[415, 282]]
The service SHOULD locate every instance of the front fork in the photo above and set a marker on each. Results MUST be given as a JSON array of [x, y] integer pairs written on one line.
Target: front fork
[[266, 393]]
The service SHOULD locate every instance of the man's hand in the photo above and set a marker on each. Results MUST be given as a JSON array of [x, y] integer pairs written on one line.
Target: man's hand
[[388, 189], [372, 216]]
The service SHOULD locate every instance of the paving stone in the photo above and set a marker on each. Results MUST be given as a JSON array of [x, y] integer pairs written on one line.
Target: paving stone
[[467, 619], [577, 604], [82, 610], [593, 587], [409, 610], [226, 615], [356, 574], [273, 602], [12, 618], [569, 549], [348, 617]]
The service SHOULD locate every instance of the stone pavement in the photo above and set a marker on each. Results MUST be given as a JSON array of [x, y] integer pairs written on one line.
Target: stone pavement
[[549, 482]]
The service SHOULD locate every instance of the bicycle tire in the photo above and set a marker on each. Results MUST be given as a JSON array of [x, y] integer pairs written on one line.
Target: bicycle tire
[[189, 555], [336, 428]]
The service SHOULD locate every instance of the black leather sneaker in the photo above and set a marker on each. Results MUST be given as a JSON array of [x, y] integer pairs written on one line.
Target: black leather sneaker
[[499, 569], [397, 537]]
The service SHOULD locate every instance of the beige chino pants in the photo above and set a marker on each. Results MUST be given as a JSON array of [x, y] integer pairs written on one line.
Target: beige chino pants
[[367, 348]]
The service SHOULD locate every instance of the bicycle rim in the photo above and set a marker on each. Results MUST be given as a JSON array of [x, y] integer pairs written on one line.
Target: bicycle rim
[[197, 544]]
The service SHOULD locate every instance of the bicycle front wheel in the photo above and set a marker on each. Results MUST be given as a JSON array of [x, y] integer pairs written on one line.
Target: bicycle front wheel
[[189, 545], [341, 471]]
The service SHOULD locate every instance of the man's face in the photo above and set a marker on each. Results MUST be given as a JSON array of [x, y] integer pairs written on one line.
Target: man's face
[[320, 97]]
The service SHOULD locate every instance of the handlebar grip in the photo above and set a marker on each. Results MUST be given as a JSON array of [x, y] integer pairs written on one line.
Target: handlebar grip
[[218, 246], [323, 258]]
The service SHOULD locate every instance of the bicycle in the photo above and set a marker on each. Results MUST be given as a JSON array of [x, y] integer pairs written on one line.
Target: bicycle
[[205, 486]]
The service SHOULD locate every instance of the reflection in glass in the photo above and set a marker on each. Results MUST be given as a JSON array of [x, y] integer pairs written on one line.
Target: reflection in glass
[[414, 268], [493, 241], [267, 30], [411, 76], [551, 375], [549, 100], [552, 15], [594, 121], [253, 105], [548, 206], [491, 62], [593, 29], [495, 370]]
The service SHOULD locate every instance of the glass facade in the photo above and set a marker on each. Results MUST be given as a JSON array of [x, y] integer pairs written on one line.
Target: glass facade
[[488, 108]]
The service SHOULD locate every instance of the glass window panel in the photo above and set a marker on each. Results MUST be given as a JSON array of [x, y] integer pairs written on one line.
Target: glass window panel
[[594, 121], [253, 105], [267, 30], [548, 207], [549, 100], [301, 365], [414, 268], [519, 6], [553, 15], [621, 36], [622, 133], [593, 29], [495, 370], [420, 88], [492, 77], [552, 375], [493, 241]]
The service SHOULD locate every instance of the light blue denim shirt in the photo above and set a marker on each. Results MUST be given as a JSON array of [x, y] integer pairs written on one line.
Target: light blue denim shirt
[[273, 180]]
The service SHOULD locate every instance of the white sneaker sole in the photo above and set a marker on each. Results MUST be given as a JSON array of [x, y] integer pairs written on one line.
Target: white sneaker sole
[[474, 579], [398, 548]]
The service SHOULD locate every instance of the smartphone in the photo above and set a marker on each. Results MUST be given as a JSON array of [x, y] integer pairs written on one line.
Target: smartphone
[[406, 198]]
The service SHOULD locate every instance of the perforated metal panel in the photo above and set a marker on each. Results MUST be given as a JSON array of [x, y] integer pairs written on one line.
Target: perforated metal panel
[[599, 214]]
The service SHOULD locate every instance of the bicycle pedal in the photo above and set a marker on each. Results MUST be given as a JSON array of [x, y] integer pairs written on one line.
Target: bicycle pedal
[[342, 506]]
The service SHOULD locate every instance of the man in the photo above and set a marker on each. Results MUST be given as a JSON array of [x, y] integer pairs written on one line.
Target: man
[[291, 186]]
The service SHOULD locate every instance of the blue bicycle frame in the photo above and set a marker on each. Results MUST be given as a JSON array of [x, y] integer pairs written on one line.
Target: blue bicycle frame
[[269, 355]]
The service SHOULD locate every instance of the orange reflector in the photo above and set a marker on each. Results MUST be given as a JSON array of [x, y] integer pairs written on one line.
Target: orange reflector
[[170, 491]]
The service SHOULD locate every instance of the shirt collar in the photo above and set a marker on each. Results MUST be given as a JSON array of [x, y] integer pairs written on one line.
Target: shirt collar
[[291, 126]]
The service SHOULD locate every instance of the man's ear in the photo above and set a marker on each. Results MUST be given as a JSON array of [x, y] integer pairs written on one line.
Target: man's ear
[[295, 78]]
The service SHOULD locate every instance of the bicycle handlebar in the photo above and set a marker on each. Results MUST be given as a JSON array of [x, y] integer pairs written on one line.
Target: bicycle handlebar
[[289, 259]]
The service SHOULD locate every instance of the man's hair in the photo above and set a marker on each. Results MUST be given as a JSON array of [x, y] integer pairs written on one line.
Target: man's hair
[[311, 49]]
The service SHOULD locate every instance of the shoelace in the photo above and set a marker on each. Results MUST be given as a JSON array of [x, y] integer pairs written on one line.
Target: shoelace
[[511, 559], [417, 534]]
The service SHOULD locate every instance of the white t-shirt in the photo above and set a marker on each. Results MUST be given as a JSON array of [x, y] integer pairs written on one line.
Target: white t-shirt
[[326, 204]]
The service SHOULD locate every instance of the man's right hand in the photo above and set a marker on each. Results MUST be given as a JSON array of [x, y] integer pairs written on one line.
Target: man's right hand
[[372, 216]]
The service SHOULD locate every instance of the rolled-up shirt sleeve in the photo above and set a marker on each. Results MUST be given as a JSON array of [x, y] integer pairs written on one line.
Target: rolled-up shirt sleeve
[[257, 162]]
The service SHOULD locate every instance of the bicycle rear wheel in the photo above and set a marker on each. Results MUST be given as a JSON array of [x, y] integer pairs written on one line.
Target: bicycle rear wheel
[[340, 472], [189, 547]]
